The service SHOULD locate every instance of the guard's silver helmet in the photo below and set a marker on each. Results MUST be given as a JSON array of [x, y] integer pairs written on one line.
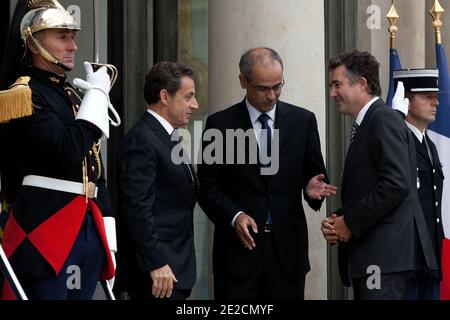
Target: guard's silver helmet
[[42, 15]]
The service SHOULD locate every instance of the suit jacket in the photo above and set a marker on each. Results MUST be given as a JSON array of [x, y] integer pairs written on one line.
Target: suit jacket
[[158, 199], [429, 187], [226, 189], [379, 199]]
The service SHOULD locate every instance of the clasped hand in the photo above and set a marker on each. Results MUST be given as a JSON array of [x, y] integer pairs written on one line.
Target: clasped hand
[[334, 229]]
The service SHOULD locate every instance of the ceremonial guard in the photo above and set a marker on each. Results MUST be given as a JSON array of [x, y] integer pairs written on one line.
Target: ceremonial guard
[[59, 237]]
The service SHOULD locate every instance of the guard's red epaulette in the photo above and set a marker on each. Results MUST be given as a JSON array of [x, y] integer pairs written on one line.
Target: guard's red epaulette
[[16, 101]]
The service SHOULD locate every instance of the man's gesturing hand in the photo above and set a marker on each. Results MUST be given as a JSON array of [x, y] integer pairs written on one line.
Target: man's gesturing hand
[[317, 188]]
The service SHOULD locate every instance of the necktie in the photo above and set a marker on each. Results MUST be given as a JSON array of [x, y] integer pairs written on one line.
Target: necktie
[[265, 147], [176, 139], [265, 137], [424, 143], [355, 127]]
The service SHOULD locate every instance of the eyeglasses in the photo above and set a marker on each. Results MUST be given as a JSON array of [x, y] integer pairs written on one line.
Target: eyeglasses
[[263, 89]]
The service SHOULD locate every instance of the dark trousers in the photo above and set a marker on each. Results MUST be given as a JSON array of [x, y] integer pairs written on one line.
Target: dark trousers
[[423, 287], [80, 274], [392, 287], [267, 282]]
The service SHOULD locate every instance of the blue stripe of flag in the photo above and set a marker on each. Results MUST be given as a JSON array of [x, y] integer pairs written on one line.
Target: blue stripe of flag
[[442, 123], [394, 64]]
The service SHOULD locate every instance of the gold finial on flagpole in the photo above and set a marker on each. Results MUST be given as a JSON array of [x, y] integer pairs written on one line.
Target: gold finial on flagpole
[[393, 16], [437, 12]]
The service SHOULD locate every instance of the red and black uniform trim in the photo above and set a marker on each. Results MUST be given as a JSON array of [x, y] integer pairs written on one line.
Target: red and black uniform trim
[[53, 242]]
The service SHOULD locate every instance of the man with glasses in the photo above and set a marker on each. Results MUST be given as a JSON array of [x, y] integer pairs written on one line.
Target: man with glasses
[[260, 235]]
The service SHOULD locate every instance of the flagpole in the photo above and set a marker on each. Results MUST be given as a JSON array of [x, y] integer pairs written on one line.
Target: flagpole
[[394, 59], [393, 16], [437, 12]]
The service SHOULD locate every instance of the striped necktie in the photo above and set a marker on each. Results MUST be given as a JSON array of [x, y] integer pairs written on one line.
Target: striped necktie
[[355, 127]]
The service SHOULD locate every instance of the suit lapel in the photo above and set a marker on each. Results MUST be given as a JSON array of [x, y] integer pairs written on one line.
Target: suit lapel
[[281, 122], [436, 161], [196, 182], [282, 127], [159, 130], [189, 169], [362, 127], [164, 136], [242, 121], [242, 118], [420, 149]]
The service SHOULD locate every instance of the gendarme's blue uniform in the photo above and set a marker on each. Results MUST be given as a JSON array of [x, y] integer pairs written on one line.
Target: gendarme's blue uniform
[[431, 180]]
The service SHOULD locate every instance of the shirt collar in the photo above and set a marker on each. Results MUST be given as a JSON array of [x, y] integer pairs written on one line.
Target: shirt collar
[[255, 113], [419, 134], [162, 121], [363, 111]]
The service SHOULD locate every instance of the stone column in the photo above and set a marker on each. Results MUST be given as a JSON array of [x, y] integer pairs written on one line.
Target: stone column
[[296, 30], [374, 37]]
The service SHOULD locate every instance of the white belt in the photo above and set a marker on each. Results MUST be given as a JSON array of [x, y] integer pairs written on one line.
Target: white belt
[[56, 184]]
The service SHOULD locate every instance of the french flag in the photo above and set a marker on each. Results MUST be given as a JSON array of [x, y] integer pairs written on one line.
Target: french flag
[[439, 132], [394, 64]]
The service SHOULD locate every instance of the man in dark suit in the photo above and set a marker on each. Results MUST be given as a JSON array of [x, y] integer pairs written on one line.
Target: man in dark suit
[[381, 227], [422, 89], [158, 192], [260, 235]]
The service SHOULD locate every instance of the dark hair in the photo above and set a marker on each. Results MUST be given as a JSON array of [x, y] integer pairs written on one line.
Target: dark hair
[[359, 65], [165, 75], [409, 95], [255, 55], [12, 64]]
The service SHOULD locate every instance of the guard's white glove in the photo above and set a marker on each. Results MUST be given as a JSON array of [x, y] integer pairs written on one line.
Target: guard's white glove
[[95, 104], [99, 78], [399, 102], [110, 229]]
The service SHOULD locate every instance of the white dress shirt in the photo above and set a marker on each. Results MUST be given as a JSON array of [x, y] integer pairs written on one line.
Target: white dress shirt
[[162, 121], [363, 111]]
